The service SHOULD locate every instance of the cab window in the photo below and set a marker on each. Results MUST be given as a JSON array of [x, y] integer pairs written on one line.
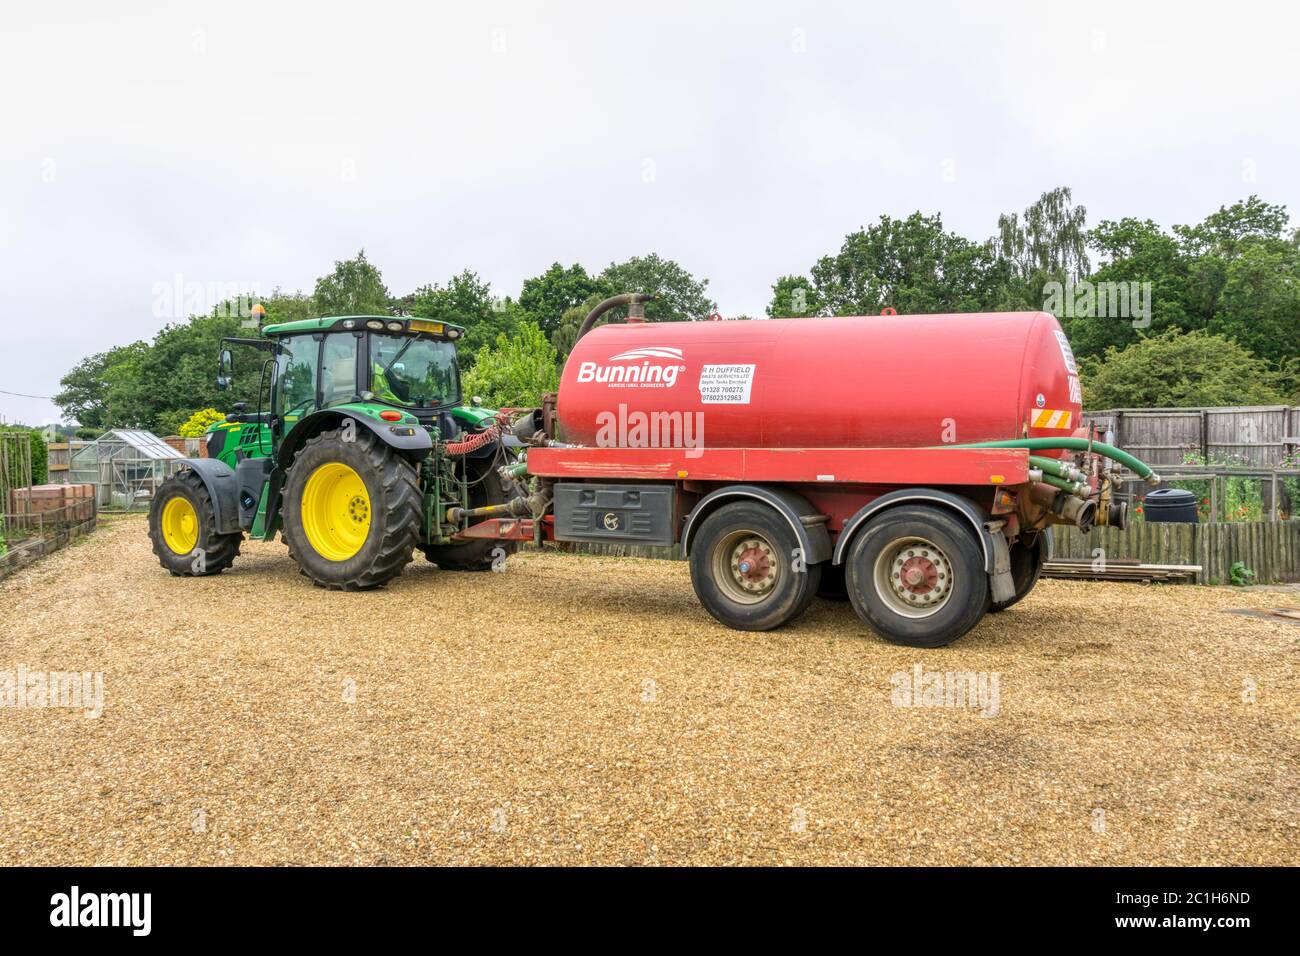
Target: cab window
[[338, 369], [414, 371], [296, 377]]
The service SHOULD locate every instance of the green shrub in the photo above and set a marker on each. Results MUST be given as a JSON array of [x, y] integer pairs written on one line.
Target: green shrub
[[198, 423]]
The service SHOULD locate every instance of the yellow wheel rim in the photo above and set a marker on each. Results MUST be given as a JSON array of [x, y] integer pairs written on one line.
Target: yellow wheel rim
[[335, 511], [180, 525]]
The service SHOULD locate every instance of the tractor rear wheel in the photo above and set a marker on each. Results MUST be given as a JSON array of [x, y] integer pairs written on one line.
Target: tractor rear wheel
[[351, 511], [916, 576], [183, 529], [486, 487], [744, 568]]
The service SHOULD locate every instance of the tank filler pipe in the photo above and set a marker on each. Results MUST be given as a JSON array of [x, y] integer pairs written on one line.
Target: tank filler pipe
[[627, 298]]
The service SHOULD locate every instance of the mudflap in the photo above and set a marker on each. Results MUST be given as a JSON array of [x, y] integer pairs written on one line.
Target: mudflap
[[1002, 587]]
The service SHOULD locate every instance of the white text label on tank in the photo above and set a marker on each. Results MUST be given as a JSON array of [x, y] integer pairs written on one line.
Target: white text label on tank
[[726, 384]]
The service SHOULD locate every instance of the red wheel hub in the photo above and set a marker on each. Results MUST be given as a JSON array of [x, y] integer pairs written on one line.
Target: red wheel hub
[[919, 575], [754, 565]]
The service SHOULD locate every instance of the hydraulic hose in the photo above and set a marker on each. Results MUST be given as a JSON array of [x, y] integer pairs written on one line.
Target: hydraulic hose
[[476, 441], [1141, 469], [1052, 466], [1073, 487]]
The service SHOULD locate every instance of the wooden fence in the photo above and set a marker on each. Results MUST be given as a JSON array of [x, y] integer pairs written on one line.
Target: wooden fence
[[1260, 434], [33, 534], [1269, 548]]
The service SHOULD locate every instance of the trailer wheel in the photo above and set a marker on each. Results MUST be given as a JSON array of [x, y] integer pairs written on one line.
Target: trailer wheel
[[916, 576], [182, 527], [1026, 568], [351, 512], [743, 566]]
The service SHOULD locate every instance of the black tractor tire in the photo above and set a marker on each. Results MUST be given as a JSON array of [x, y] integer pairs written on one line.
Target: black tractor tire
[[719, 588], [949, 563], [1026, 567], [487, 488], [393, 490], [212, 552]]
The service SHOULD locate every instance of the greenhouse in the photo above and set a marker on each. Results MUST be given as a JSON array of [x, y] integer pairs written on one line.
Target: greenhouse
[[125, 466]]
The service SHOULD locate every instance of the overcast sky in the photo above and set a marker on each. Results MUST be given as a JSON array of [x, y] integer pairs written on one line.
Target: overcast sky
[[256, 143]]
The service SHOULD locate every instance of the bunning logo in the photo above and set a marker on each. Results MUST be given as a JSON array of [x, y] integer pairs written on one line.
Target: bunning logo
[[646, 374]]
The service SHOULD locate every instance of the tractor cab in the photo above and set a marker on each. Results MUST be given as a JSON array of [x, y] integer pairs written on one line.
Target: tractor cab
[[406, 364]]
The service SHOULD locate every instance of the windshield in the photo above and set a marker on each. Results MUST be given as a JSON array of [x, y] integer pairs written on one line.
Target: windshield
[[415, 371]]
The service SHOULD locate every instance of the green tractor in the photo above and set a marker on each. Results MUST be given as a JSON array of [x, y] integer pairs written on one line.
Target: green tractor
[[363, 454]]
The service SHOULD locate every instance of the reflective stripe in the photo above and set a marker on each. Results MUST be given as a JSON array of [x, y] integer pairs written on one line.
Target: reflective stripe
[[1050, 418]]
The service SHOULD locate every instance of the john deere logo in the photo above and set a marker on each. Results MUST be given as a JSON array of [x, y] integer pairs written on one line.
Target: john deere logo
[[611, 521]]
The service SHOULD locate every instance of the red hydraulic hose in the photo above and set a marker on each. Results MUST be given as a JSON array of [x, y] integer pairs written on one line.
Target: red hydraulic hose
[[475, 442]]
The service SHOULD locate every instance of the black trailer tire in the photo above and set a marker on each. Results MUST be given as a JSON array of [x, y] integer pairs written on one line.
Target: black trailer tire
[[773, 589], [391, 503], [486, 488], [182, 507], [1026, 569], [916, 576]]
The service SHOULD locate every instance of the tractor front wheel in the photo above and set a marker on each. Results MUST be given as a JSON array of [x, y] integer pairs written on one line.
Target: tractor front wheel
[[351, 511], [183, 529]]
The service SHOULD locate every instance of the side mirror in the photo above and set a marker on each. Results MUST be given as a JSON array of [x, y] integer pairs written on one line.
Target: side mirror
[[225, 370]]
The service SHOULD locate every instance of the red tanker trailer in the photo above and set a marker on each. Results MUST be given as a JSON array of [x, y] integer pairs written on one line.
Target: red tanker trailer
[[912, 462]]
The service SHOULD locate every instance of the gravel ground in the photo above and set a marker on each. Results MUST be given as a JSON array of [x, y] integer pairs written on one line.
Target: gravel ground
[[586, 710]]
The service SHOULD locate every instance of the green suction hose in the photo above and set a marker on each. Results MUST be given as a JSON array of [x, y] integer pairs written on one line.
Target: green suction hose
[[1141, 469]]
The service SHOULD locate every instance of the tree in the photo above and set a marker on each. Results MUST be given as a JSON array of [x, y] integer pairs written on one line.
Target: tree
[[545, 298], [911, 265], [1178, 370], [289, 307], [1223, 232], [793, 296], [465, 300], [100, 391], [1049, 243], [516, 370], [566, 332], [679, 296], [1259, 304], [1136, 251], [355, 287]]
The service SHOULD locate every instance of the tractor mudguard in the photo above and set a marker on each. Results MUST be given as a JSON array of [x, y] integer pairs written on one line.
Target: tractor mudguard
[[219, 479], [812, 535], [414, 446]]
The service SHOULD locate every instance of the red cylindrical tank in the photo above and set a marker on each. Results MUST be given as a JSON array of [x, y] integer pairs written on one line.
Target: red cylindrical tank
[[861, 381]]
